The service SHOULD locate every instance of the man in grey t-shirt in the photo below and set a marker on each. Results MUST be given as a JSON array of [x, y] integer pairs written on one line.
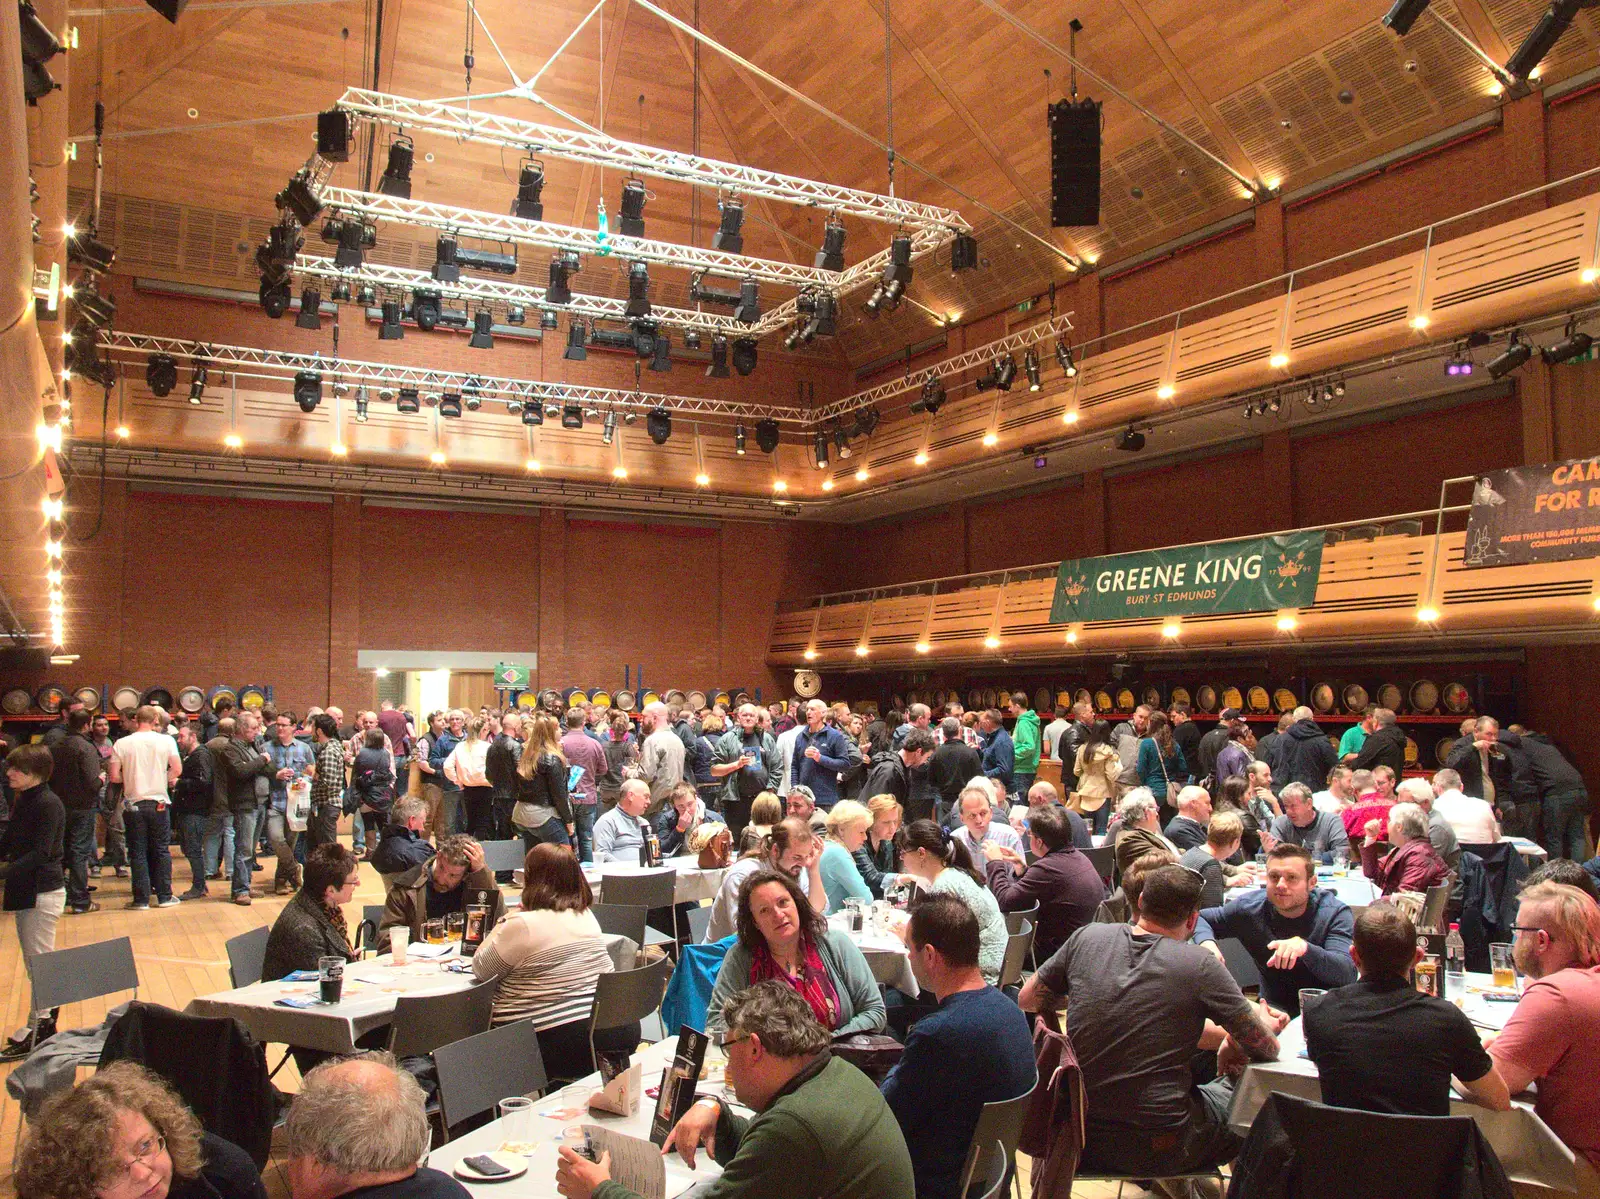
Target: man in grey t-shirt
[[1143, 1000], [1322, 833]]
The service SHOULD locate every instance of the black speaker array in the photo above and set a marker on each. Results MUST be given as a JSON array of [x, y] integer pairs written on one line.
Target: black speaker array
[[1074, 163]]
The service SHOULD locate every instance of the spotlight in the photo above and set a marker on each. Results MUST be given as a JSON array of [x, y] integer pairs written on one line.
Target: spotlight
[[450, 257], [796, 336], [719, 357], [389, 328], [530, 182], [1457, 365], [659, 425], [274, 297], [91, 254], [1516, 353], [95, 308], [1338, 388], [36, 82], [425, 309], [767, 435], [562, 267], [307, 390], [298, 198], [1543, 37], [340, 293], [661, 357], [333, 135], [748, 311], [1404, 15], [1131, 440], [744, 355], [161, 374], [367, 295], [515, 315], [746, 302], [472, 400], [353, 238], [450, 405], [361, 405], [638, 290], [987, 380], [964, 253], [409, 403], [310, 315], [396, 179], [820, 451], [824, 311], [841, 440], [630, 221], [608, 428], [1064, 357], [896, 277], [533, 413], [197, 383], [575, 351], [1030, 367], [548, 320], [571, 416], [866, 422], [932, 397], [642, 336], [738, 440], [728, 237], [831, 256], [1573, 345], [482, 330], [1005, 370], [691, 339], [446, 267]]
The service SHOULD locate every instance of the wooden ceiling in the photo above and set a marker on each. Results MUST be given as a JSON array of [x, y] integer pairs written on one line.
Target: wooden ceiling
[[198, 141]]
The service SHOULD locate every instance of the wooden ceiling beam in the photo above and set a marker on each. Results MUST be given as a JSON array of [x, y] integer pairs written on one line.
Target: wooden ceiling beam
[[1483, 29]]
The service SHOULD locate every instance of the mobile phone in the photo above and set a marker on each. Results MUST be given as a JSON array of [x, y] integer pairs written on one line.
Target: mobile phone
[[485, 1165]]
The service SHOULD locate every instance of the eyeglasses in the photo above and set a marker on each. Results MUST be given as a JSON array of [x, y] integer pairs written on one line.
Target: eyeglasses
[[726, 1042], [1526, 928], [143, 1155]]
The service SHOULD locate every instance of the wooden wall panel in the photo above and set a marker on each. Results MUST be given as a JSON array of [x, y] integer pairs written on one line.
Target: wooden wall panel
[[1204, 500]]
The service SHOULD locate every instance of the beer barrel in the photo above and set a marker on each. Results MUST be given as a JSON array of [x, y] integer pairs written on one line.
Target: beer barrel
[[975, 699], [16, 701], [212, 696], [252, 697], [1390, 696], [1285, 700], [549, 699], [527, 700], [1103, 701], [649, 697], [1205, 698], [720, 699], [1152, 695], [600, 698], [1180, 695], [49, 698], [1232, 697], [1322, 699], [1258, 700], [568, 694], [1083, 696], [674, 696], [126, 699], [1126, 701], [1355, 698], [89, 697], [1424, 696], [162, 698], [1041, 700], [1412, 753], [191, 700], [697, 699], [1442, 748], [625, 700], [1457, 699]]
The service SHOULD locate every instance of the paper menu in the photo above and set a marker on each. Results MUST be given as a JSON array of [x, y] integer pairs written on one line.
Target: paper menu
[[678, 1082], [635, 1163]]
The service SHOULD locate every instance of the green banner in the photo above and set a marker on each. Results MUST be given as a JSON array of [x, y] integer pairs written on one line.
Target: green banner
[[510, 676], [1259, 574]]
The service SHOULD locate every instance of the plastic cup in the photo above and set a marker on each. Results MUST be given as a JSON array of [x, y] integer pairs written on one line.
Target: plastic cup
[[399, 938], [516, 1125], [576, 1096]]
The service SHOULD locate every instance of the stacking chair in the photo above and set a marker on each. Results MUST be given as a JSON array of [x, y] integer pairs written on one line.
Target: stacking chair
[[1239, 962], [477, 1072], [1105, 861], [87, 972], [621, 920], [1015, 920], [1018, 946], [997, 1167], [422, 1023], [651, 890], [699, 918], [622, 997], [1433, 906], [367, 931], [999, 1128], [504, 855], [247, 953]]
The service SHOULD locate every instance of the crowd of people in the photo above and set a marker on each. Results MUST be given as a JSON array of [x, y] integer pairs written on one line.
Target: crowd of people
[[1214, 837]]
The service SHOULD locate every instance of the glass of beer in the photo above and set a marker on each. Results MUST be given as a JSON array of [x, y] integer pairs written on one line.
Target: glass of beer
[[434, 932], [330, 974], [1504, 967], [454, 923], [516, 1125]]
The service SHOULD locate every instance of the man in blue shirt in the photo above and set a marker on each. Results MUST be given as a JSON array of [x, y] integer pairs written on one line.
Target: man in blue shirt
[[1298, 935], [452, 815], [999, 754], [974, 1048], [291, 759], [820, 753]]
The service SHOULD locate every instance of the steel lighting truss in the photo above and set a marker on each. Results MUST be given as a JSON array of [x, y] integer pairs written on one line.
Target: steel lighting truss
[[1054, 327], [283, 364]]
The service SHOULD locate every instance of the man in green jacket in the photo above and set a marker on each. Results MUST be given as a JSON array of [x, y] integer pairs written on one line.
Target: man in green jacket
[[1025, 743], [821, 1129]]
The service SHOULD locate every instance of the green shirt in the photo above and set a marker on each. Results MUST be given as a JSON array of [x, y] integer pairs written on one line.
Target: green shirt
[[1025, 742], [1354, 738]]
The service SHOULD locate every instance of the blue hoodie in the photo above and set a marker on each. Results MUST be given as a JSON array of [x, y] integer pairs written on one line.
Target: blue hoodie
[[1326, 963]]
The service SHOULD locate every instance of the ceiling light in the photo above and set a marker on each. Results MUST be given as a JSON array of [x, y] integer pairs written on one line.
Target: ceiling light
[[548, 319], [1427, 614], [1030, 367], [361, 405], [273, 296], [922, 458], [819, 451], [571, 416], [450, 405], [353, 237], [638, 290], [861, 474], [338, 449], [482, 330], [1072, 636], [1420, 322], [991, 642], [1070, 416], [530, 182], [307, 390], [396, 179], [728, 237], [1171, 628], [161, 374], [408, 403], [1287, 622], [608, 428], [738, 440], [810, 655], [1516, 353], [767, 435], [1542, 38], [1458, 365], [531, 464], [744, 355], [718, 368], [922, 647], [310, 315], [576, 336], [932, 396], [619, 471], [437, 458], [1574, 344], [515, 315], [702, 480], [630, 220], [1005, 370], [367, 295], [389, 327], [1278, 361], [233, 441], [197, 383], [123, 432], [1064, 358], [991, 439], [1589, 275], [831, 256], [1165, 392], [562, 267], [779, 486]]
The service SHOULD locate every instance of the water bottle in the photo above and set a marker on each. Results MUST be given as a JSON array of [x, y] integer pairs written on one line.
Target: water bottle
[[1455, 963]]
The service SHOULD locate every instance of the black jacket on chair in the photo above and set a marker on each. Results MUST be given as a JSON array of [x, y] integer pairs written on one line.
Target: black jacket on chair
[[1491, 877], [218, 1068]]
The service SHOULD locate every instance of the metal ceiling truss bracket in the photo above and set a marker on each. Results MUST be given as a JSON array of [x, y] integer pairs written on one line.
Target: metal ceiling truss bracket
[[284, 364], [578, 146], [1011, 343]]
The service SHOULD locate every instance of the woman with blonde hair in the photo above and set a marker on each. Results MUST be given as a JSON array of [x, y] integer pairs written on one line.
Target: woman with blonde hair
[[848, 823], [123, 1133], [466, 767], [877, 859], [543, 812]]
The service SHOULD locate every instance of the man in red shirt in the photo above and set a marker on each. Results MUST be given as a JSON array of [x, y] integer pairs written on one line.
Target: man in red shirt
[[1550, 1037], [1374, 805]]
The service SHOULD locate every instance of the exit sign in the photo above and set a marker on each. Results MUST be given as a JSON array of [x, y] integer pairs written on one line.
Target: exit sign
[[510, 676], [1025, 305]]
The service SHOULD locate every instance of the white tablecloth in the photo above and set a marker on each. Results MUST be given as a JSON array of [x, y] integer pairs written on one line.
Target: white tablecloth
[[886, 954], [1532, 850], [694, 884], [1355, 888], [540, 1180], [1531, 1154]]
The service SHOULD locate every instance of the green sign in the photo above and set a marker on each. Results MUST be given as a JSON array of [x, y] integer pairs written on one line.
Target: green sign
[[1260, 574], [510, 676]]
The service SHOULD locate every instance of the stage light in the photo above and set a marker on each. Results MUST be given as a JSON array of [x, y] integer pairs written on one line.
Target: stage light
[[932, 396], [691, 339], [728, 237], [630, 219], [548, 319], [390, 328], [608, 427], [638, 290], [719, 357], [233, 441], [425, 309], [367, 295], [780, 486], [1030, 367], [748, 311], [93, 307], [744, 355], [1287, 622], [819, 451], [298, 198], [861, 474], [1165, 392], [161, 374], [1427, 614], [767, 435], [408, 403], [482, 330], [891, 286], [307, 390], [274, 297], [738, 440], [197, 383], [1457, 365], [576, 351], [396, 179], [1130, 440], [1171, 628], [641, 335], [450, 405], [1542, 38], [746, 302], [1278, 361], [1404, 15], [92, 255], [562, 267], [841, 440], [361, 405], [438, 458], [921, 459], [1064, 357], [964, 253], [1005, 370], [702, 480], [1574, 344], [340, 293], [333, 135], [825, 310], [352, 236], [661, 353], [831, 256], [533, 413], [659, 425], [310, 314], [571, 416], [861, 651], [515, 315], [1516, 353], [530, 183], [866, 421], [991, 642], [339, 450]]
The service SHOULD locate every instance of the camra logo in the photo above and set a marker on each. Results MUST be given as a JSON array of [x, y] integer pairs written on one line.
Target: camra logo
[[1075, 587], [1290, 568]]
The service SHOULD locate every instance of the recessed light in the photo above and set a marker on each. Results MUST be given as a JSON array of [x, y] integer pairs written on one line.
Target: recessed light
[[194, 114]]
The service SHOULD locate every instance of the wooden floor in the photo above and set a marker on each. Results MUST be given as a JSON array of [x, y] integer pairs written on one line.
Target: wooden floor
[[179, 953]]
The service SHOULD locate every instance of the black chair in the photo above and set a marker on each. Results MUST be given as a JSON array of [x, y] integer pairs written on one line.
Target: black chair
[[422, 1023], [624, 996], [1016, 919], [1239, 962], [621, 920], [999, 1127], [246, 954], [1105, 861], [477, 1072], [501, 856], [1018, 946], [652, 890], [367, 931]]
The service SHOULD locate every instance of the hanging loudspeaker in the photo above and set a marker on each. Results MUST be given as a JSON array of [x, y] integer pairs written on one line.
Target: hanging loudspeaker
[[1074, 163]]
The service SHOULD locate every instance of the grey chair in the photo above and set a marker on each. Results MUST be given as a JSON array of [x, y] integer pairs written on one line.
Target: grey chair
[[1433, 906], [367, 931], [246, 954], [699, 918], [1015, 920], [422, 1023], [999, 1125], [622, 920], [1018, 946], [1105, 861], [477, 1072], [622, 997], [1239, 962], [997, 1167], [504, 855], [86, 972], [649, 889]]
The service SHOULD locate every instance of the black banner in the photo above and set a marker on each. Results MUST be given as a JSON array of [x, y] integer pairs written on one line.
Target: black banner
[[1547, 513]]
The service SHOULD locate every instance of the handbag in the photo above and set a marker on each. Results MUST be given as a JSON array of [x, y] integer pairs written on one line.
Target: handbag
[[717, 849], [1172, 787], [872, 1053]]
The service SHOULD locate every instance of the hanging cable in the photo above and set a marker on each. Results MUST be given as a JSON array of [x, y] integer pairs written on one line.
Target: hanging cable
[[468, 58], [888, 89]]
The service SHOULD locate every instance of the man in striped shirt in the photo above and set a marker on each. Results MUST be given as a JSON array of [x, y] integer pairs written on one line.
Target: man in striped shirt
[[327, 782]]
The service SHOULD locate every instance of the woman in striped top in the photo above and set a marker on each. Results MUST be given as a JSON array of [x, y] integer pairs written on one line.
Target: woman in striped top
[[547, 958]]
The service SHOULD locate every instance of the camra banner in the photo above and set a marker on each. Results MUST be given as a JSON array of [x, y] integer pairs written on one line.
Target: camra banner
[[1535, 514], [1259, 574]]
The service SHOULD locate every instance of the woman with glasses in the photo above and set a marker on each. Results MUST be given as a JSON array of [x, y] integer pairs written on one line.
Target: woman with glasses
[[125, 1134]]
